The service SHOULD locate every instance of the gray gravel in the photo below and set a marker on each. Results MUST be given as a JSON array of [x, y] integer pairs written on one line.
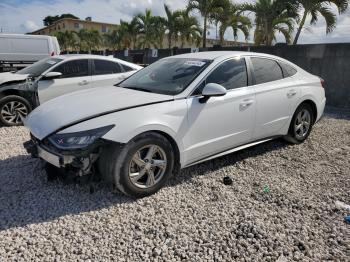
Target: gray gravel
[[279, 207]]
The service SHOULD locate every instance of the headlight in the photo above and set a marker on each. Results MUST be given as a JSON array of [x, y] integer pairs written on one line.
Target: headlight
[[78, 140]]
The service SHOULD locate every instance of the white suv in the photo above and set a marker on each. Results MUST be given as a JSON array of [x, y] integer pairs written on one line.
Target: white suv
[[23, 90], [177, 112]]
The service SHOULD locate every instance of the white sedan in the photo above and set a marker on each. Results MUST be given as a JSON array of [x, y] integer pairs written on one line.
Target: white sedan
[[22, 91], [177, 112]]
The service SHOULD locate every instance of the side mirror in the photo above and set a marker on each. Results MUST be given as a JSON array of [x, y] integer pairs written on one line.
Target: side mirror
[[212, 89], [51, 75]]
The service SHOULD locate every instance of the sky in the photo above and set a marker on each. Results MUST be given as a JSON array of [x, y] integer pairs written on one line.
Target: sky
[[22, 16]]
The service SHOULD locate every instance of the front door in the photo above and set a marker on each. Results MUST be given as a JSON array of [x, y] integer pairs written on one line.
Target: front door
[[224, 122], [75, 77]]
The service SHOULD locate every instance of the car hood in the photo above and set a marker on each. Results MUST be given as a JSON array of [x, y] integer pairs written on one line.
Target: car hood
[[9, 77], [76, 107]]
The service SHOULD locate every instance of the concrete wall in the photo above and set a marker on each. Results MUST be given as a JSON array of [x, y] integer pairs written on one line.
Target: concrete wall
[[329, 61]]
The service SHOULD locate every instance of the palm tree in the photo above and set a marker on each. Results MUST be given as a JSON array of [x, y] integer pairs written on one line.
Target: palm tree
[[151, 29], [61, 40], [66, 40], [320, 7], [171, 24], [188, 28], [129, 32], [231, 16], [272, 16], [207, 8], [88, 39], [160, 28], [112, 40]]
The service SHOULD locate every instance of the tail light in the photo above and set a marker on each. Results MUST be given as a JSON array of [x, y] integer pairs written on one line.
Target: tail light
[[322, 82]]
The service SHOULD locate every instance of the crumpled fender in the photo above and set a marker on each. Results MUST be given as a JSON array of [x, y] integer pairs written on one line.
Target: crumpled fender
[[10, 78]]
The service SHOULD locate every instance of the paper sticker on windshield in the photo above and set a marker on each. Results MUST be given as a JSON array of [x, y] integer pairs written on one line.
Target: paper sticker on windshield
[[51, 62], [194, 63]]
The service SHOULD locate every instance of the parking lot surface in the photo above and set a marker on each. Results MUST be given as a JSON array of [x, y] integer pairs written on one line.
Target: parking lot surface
[[280, 206]]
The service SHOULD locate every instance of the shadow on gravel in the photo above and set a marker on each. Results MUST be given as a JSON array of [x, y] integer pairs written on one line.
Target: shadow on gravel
[[227, 160], [26, 197]]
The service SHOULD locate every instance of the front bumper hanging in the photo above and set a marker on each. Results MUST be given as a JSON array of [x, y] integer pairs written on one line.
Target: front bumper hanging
[[55, 159]]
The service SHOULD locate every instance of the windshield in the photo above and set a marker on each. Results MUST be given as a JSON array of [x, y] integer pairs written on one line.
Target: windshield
[[39, 67], [168, 76]]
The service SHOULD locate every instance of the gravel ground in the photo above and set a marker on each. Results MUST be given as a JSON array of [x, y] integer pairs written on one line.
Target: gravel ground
[[279, 207]]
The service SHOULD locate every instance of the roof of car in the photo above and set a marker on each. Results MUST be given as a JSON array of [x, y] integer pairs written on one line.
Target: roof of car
[[211, 55], [87, 56], [75, 56]]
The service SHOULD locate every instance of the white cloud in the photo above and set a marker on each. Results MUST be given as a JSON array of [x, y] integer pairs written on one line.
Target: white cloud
[[29, 26], [22, 17]]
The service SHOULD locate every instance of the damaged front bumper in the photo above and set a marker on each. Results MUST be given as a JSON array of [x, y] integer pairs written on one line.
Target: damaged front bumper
[[79, 162], [55, 159]]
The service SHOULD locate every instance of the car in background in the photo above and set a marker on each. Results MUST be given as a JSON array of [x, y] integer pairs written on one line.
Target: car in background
[[24, 90], [18, 51], [177, 112]]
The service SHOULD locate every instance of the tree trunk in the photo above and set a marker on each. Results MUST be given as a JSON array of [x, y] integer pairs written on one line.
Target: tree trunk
[[205, 32], [302, 22], [169, 40], [221, 35]]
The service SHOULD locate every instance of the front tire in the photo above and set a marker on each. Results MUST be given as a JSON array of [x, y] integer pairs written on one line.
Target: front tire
[[301, 124], [12, 109], [141, 167]]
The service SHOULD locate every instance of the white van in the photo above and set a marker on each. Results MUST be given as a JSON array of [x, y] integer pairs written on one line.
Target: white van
[[17, 50]]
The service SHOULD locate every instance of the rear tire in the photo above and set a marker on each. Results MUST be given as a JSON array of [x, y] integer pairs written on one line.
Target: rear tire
[[301, 124], [141, 167], [12, 108]]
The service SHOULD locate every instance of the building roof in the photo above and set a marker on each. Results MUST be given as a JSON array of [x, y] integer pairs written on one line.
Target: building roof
[[73, 20]]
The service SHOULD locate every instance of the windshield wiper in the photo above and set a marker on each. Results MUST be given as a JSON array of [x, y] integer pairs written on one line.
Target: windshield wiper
[[138, 89]]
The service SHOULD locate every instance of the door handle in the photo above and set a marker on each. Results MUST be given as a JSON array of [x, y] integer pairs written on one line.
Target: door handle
[[83, 83], [245, 103], [291, 93]]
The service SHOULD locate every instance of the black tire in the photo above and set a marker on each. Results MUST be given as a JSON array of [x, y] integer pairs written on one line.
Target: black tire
[[19, 101], [114, 164], [293, 136]]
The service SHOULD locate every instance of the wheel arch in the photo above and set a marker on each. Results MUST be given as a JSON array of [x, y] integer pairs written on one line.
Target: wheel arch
[[311, 103], [173, 143], [15, 92]]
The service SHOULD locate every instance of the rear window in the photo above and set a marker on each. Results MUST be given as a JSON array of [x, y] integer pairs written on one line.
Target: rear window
[[266, 70], [287, 69], [103, 67], [127, 68]]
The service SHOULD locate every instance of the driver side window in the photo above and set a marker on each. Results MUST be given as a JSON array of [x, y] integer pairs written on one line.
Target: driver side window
[[230, 74]]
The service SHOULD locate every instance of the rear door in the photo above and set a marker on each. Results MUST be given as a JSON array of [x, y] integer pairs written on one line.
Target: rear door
[[223, 122], [75, 76], [275, 97], [106, 73]]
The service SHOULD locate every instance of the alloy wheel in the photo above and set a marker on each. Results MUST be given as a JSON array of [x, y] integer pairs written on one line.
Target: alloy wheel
[[147, 166], [302, 124], [12, 112]]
